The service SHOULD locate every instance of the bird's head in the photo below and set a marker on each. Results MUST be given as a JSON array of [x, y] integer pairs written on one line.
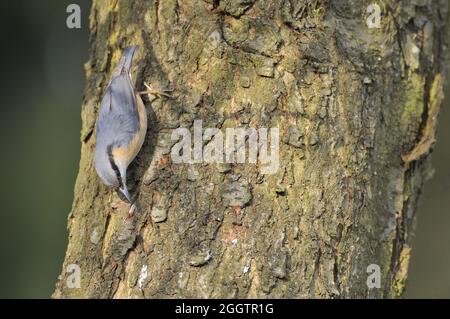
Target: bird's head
[[112, 170]]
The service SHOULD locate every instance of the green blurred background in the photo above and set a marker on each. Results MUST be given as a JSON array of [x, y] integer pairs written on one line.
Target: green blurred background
[[41, 91]]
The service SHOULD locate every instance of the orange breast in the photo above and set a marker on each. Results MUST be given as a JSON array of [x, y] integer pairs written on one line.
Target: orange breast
[[126, 155]]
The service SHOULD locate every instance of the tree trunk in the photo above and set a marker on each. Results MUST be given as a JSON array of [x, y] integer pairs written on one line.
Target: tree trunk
[[356, 108]]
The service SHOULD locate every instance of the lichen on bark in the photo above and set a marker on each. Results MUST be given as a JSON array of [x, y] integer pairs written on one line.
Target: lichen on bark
[[352, 105]]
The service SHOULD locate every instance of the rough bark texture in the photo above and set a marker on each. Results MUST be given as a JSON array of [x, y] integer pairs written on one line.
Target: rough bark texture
[[356, 108]]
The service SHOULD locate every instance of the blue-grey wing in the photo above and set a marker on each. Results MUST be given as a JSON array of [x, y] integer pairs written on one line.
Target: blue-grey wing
[[118, 120]]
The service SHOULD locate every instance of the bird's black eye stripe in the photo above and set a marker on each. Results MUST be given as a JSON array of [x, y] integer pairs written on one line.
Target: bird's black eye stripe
[[114, 166]]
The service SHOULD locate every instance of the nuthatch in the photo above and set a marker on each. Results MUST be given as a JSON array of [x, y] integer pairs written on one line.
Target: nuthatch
[[121, 126]]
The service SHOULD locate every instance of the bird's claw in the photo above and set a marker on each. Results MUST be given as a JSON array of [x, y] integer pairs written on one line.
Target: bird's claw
[[157, 92], [132, 210]]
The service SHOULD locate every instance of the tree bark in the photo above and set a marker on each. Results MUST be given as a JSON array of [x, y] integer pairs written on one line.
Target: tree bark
[[356, 108]]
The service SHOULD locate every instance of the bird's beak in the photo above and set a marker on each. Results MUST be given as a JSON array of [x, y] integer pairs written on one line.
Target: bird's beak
[[126, 193]]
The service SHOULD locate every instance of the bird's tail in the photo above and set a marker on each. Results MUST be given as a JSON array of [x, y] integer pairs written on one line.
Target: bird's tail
[[125, 60]]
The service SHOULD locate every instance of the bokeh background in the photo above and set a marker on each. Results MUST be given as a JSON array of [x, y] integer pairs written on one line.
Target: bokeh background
[[41, 86]]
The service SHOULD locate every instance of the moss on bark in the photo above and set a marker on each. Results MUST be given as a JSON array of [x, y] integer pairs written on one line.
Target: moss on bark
[[353, 106]]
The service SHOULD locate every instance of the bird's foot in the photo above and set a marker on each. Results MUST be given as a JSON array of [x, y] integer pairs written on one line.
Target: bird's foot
[[131, 211], [156, 92]]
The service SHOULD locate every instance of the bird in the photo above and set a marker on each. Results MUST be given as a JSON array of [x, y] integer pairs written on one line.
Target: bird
[[121, 126]]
